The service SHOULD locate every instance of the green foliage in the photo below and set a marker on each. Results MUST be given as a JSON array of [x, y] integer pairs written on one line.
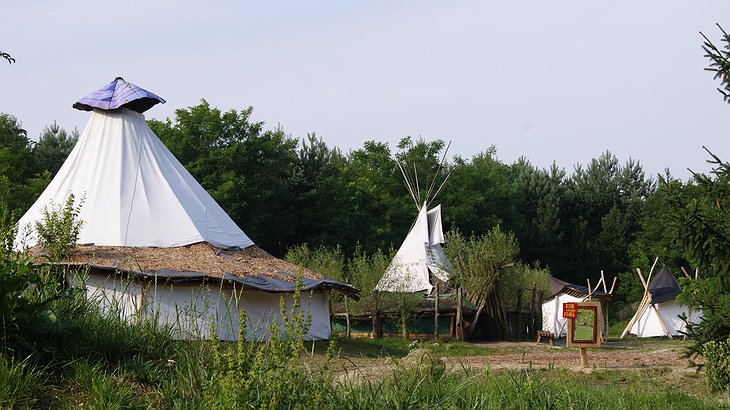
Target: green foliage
[[268, 374], [327, 262], [701, 225], [362, 270], [59, 229], [247, 170], [21, 383], [560, 389], [21, 178], [519, 278], [479, 261], [719, 61], [717, 369], [53, 147]]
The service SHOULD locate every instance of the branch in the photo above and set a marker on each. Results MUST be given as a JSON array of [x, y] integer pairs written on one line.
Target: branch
[[7, 57]]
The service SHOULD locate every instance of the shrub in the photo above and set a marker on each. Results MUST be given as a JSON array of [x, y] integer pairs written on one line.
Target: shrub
[[717, 368], [271, 374]]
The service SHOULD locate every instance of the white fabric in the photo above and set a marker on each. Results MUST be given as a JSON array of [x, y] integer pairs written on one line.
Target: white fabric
[[420, 252], [136, 192], [188, 308], [650, 326], [552, 314]]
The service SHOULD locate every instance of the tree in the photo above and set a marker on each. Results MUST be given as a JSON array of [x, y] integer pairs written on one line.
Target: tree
[[479, 262], [53, 148], [702, 227], [18, 184], [247, 170], [478, 196], [539, 225], [719, 62]]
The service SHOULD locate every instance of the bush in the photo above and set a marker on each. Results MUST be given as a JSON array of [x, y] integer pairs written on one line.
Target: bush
[[717, 368], [271, 374]]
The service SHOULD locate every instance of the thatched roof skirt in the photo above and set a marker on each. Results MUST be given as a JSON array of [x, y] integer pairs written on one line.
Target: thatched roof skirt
[[251, 267]]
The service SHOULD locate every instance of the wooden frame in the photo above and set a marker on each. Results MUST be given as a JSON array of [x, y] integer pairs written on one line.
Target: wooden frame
[[597, 335]]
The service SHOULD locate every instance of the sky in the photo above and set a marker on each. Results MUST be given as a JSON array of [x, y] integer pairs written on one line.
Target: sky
[[560, 81]]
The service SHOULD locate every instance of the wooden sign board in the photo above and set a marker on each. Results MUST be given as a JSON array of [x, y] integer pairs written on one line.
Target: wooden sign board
[[585, 329], [570, 309]]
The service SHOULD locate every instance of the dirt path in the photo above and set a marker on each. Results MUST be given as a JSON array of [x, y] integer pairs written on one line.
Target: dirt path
[[523, 355]]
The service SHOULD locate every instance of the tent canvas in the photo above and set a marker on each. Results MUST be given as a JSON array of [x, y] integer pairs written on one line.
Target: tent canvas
[[564, 292], [659, 314], [136, 193], [418, 257], [144, 215]]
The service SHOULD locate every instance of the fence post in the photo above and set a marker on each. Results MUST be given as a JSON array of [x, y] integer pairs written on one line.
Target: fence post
[[348, 332], [532, 332], [519, 314], [436, 313], [459, 319]]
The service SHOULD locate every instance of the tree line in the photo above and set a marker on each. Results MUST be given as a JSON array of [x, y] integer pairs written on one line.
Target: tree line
[[284, 191]]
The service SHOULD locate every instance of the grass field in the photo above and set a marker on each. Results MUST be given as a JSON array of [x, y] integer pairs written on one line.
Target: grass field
[[115, 372]]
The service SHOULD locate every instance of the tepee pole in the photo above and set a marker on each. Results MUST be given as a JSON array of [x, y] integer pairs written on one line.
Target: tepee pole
[[439, 190], [418, 188], [661, 321], [408, 185], [645, 300], [441, 163]]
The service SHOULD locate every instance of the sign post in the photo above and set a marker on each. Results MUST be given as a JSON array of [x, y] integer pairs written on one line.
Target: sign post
[[584, 327]]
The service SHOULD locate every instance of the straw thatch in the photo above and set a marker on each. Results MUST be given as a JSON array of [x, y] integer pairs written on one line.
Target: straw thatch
[[200, 257]]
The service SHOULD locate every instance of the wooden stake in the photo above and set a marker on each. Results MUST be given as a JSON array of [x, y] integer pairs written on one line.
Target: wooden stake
[[645, 301], [459, 324], [589, 287], [436, 313], [685, 273], [348, 331], [603, 279], [643, 282], [519, 314], [583, 357], [532, 330], [610, 292]]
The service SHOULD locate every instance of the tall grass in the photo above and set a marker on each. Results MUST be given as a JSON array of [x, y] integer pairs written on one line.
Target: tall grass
[[407, 388], [21, 383]]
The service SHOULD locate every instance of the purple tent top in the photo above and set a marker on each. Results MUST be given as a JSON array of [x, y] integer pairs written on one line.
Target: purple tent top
[[119, 93]]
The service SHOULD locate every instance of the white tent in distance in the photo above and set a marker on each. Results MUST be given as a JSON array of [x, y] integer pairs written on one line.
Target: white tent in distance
[[418, 257]]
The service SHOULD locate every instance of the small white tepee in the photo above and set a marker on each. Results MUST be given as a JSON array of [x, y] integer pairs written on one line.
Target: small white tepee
[[144, 215], [418, 257], [659, 313]]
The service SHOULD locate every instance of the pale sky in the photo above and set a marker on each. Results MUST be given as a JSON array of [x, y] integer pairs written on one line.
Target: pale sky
[[557, 81]]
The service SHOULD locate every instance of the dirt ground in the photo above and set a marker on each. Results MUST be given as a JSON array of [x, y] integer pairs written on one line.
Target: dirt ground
[[613, 355], [666, 355]]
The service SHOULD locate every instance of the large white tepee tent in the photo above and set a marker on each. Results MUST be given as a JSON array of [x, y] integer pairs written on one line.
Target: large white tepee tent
[[145, 215]]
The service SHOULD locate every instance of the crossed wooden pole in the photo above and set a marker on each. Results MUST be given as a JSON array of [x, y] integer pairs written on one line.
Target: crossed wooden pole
[[646, 303]]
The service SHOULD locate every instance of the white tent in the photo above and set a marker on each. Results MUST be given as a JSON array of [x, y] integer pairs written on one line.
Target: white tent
[[145, 215], [563, 292], [136, 193], [418, 257], [649, 325], [659, 314]]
